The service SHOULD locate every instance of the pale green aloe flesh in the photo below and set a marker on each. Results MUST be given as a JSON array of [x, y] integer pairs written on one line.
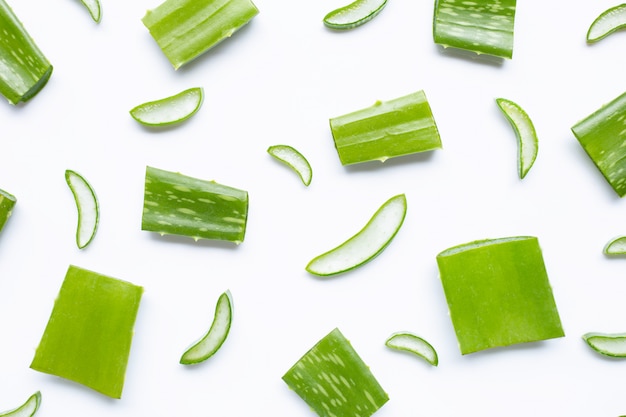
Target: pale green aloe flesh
[[213, 339], [7, 202], [294, 159], [528, 143], [616, 246], [602, 135], [607, 344], [498, 293], [169, 110], [387, 129], [94, 8], [24, 70], [181, 205], [481, 26], [609, 21], [368, 243], [354, 14], [334, 381], [409, 342], [184, 29], [28, 409], [89, 342], [87, 206]]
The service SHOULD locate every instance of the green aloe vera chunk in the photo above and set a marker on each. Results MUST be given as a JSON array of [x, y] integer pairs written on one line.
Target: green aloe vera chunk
[[24, 70], [28, 409], [481, 26], [334, 381], [498, 293], [401, 126], [90, 330], [7, 202], [608, 344], [602, 135], [185, 29], [180, 205]]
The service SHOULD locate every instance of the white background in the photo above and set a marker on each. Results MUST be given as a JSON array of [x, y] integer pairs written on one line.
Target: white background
[[279, 80]]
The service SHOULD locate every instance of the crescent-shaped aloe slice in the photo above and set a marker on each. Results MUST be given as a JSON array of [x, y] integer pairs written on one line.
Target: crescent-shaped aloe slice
[[528, 144], [87, 206], [28, 409], [364, 246], [294, 159], [94, 8], [616, 246], [7, 202], [409, 342], [607, 344], [169, 110], [354, 14], [213, 339], [609, 21]]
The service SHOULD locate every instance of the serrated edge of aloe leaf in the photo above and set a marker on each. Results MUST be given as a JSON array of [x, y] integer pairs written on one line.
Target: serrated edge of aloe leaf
[[619, 243], [409, 342], [147, 107], [618, 337], [528, 143], [612, 13], [80, 206], [94, 8], [334, 20], [294, 159], [28, 409]]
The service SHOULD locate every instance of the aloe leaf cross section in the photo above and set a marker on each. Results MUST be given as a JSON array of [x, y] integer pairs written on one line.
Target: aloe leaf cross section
[[28, 409], [7, 202]]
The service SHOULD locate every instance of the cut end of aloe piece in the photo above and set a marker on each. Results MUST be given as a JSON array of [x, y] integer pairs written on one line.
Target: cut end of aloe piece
[[354, 14], [616, 246], [87, 206], [28, 409], [294, 159], [528, 144], [364, 246], [94, 8], [607, 344], [609, 21], [7, 202], [169, 110], [213, 339], [409, 342]]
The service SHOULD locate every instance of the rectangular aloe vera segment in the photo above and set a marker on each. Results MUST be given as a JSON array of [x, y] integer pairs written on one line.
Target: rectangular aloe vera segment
[[7, 202], [184, 29], [334, 381], [181, 205], [89, 333], [602, 135], [498, 293], [401, 126]]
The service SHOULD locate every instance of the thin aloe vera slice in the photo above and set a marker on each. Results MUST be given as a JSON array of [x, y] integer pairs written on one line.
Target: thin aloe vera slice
[[354, 14], [368, 243], [602, 135], [498, 293], [24, 70], [607, 344], [334, 381], [28, 409], [528, 143], [607, 22], [616, 246], [181, 205], [169, 110], [94, 8], [213, 339], [401, 126], [480, 26], [409, 342], [87, 206], [294, 159], [185, 29], [7, 202], [88, 336]]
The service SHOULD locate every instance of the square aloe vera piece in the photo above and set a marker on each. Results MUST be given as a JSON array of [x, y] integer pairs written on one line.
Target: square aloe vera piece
[[602, 135], [89, 333], [498, 293], [334, 381]]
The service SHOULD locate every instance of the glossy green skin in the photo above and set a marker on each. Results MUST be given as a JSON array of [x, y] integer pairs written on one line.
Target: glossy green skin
[[184, 29], [332, 374], [7, 202], [498, 293], [89, 342]]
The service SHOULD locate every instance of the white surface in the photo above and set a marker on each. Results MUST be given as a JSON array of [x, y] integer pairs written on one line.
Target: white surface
[[279, 80]]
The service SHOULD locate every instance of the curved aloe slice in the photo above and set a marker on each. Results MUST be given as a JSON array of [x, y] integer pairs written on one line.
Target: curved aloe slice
[[7, 202], [94, 8], [528, 143], [293, 159], [616, 246], [607, 344], [213, 339], [87, 206], [366, 244], [354, 14], [28, 409], [412, 343], [609, 21], [169, 110]]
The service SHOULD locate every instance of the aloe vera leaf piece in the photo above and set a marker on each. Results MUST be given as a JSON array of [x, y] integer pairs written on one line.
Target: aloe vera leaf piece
[[89, 342], [608, 344], [616, 246], [181, 205], [528, 143], [94, 8], [602, 135], [87, 206], [368, 243], [24, 70], [354, 14], [185, 29], [169, 110], [480, 26], [401, 126], [409, 342], [607, 22], [334, 381], [294, 159], [7, 202], [28, 409], [498, 293], [213, 339]]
